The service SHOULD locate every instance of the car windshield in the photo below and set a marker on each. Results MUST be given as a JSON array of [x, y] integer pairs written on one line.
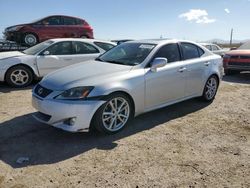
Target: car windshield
[[245, 46], [127, 54], [37, 48]]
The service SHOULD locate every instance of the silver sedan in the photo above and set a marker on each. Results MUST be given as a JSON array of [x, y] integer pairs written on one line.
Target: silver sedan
[[130, 79]]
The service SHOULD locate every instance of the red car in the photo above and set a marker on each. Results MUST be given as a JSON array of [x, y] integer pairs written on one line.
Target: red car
[[238, 60], [56, 26]]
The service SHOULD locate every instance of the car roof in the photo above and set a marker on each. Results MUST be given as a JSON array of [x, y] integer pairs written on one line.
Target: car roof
[[159, 41], [80, 39]]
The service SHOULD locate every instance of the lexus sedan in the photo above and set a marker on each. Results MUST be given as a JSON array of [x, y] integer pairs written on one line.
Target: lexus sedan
[[130, 79], [237, 60], [55, 26], [18, 69]]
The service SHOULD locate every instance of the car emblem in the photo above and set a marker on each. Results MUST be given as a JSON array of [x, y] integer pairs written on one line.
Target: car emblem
[[40, 91]]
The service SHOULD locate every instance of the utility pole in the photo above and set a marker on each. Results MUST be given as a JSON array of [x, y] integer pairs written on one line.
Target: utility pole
[[231, 36]]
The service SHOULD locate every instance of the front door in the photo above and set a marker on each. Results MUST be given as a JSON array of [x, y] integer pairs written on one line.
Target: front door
[[56, 56], [168, 83]]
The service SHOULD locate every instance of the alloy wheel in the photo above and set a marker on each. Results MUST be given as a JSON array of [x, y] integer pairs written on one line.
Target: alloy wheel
[[19, 77], [211, 88], [115, 114]]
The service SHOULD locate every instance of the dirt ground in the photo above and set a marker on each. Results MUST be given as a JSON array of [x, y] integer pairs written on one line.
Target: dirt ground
[[190, 144]]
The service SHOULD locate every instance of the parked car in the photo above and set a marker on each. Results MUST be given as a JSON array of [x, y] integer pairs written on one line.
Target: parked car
[[238, 60], [18, 69], [215, 48], [56, 26], [130, 79]]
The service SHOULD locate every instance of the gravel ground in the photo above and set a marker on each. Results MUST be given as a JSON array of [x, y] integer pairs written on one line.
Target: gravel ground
[[190, 144]]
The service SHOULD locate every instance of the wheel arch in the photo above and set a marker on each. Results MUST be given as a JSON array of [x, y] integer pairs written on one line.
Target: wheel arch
[[33, 33], [34, 74], [126, 94]]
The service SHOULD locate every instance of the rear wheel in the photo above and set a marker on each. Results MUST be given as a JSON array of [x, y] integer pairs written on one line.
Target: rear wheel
[[210, 88], [113, 115], [19, 76]]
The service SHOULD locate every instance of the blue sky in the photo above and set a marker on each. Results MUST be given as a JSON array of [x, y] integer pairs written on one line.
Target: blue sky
[[116, 19]]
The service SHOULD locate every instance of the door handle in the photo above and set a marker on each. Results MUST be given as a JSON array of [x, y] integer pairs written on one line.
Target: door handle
[[207, 63], [67, 59], [182, 69]]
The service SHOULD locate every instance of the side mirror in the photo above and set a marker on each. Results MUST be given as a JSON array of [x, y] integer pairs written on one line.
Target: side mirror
[[46, 52], [158, 62]]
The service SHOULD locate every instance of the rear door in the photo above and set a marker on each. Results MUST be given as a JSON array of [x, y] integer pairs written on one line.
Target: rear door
[[198, 67], [54, 57]]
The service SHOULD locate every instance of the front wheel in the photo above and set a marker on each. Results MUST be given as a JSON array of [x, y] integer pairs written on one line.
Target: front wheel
[[210, 88], [19, 76], [113, 115], [30, 39]]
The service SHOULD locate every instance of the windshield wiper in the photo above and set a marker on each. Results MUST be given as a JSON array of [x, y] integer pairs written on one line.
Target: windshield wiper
[[117, 62], [98, 59]]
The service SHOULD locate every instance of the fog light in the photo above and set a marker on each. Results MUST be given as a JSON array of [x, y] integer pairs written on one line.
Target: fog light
[[72, 121]]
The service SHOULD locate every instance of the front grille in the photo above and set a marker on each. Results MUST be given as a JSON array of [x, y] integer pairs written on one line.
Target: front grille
[[240, 57], [42, 116], [42, 91], [239, 64]]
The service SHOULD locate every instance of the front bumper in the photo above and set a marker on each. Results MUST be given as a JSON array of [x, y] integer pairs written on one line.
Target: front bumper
[[58, 112], [13, 36]]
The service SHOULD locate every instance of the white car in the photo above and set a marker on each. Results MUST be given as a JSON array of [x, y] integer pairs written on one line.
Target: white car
[[215, 48], [19, 69], [130, 79]]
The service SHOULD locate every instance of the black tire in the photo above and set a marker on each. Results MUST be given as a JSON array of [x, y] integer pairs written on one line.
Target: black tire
[[27, 39], [206, 96], [231, 72], [97, 121], [19, 76]]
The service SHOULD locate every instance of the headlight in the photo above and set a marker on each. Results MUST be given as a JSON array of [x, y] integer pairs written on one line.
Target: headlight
[[15, 28], [75, 93]]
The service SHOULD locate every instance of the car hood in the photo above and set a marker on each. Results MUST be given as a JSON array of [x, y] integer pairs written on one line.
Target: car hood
[[88, 73], [5, 55], [239, 52]]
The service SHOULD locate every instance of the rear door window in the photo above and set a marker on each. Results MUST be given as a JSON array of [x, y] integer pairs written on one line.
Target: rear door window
[[84, 48], [190, 51], [215, 48], [69, 21]]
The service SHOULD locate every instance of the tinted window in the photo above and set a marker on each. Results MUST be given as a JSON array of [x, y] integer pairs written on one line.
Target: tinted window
[[170, 51], [190, 51], [69, 21], [201, 52], [54, 20], [60, 48], [84, 48], [104, 46], [79, 22]]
